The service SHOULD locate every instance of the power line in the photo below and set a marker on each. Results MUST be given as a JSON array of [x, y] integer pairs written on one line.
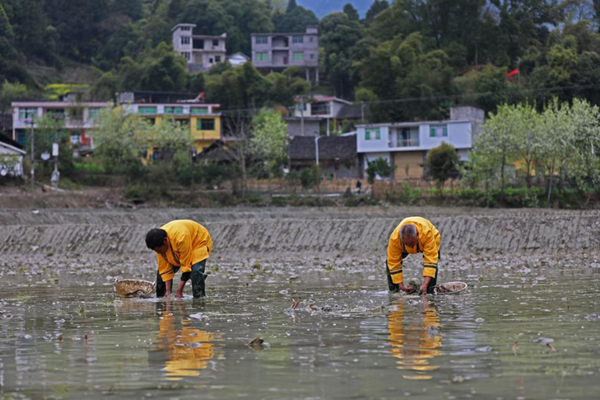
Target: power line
[[447, 97]]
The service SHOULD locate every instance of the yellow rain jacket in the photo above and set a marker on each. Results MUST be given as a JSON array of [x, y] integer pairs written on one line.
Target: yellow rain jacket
[[428, 243], [189, 243]]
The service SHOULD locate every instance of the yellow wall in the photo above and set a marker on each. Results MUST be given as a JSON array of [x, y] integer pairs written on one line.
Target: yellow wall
[[205, 138], [414, 159]]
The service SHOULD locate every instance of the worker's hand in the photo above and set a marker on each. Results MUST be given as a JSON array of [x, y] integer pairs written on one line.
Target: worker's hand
[[423, 288], [403, 288]]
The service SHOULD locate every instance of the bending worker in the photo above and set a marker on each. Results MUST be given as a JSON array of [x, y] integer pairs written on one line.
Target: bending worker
[[413, 235], [180, 244]]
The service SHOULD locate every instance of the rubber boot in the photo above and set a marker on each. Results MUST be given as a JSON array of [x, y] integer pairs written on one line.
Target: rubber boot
[[160, 287], [394, 287], [198, 278]]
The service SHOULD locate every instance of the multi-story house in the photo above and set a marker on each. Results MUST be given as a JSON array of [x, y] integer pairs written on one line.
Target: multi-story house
[[277, 51], [406, 144], [329, 111], [202, 119], [78, 119], [202, 52]]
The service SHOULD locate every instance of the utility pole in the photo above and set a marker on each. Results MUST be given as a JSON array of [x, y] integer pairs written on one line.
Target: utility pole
[[32, 157], [55, 173], [302, 114], [317, 148], [362, 111]]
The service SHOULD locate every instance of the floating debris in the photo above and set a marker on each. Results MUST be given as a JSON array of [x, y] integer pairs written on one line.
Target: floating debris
[[256, 344]]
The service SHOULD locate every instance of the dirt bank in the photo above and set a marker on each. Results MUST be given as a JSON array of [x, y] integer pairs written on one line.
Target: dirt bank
[[301, 231]]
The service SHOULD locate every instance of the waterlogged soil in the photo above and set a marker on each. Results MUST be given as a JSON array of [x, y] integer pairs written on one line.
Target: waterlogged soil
[[528, 326]]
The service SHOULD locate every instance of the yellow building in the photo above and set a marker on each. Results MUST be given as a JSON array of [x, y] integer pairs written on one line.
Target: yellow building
[[202, 119]]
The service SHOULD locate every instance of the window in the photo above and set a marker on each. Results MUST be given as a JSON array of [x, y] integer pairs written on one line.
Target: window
[[147, 110], [216, 43], [58, 113], [206, 124], [151, 121], [173, 110], [21, 136], [312, 39], [297, 56], [262, 56], [182, 122], [185, 40], [262, 40], [27, 113], [312, 56], [210, 60], [199, 110], [187, 55], [438, 131], [372, 134], [93, 113], [297, 39], [217, 58], [407, 137], [199, 44], [185, 28]]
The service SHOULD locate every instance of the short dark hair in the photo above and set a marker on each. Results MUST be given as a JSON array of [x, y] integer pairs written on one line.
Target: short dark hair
[[408, 231], [155, 238]]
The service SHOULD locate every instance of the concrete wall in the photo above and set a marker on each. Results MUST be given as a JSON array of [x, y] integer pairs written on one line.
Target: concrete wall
[[311, 127]]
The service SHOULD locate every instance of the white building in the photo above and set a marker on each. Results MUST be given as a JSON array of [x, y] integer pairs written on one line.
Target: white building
[[202, 52], [11, 158], [406, 144], [78, 119]]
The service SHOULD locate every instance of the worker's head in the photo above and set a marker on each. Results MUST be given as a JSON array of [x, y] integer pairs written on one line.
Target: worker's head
[[156, 239], [409, 235]]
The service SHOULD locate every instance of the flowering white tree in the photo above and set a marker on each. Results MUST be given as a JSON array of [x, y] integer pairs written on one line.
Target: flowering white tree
[[270, 139]]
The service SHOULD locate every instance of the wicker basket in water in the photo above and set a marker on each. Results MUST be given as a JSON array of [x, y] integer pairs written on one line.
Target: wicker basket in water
[[128, 288], [450, 288]]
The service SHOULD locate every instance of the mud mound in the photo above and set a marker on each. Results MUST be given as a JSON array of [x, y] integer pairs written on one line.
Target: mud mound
[[300, 231]]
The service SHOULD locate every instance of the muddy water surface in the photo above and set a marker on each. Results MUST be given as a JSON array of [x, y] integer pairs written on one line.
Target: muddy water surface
[[509, 338]]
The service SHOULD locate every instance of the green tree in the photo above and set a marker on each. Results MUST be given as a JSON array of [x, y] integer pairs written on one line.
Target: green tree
[[380, 167], [499, 141], [377, 7], [351, 12], [116, 146], [442, 163], [295, 19], [269, 141], [339, 35]]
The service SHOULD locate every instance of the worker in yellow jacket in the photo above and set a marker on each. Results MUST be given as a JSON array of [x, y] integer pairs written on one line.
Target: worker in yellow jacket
[[413, 235], [180, 244]]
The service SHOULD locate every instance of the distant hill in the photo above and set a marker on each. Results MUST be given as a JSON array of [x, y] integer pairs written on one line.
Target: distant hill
[[324, 7]]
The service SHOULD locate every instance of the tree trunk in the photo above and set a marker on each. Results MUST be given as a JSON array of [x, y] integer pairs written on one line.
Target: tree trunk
[[502, 178], [550, 183]]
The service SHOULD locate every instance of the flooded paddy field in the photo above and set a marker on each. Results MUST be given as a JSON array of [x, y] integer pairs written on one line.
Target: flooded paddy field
[[528, 328]]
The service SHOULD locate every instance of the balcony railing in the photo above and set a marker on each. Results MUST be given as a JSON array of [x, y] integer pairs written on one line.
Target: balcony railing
[[405, 143]]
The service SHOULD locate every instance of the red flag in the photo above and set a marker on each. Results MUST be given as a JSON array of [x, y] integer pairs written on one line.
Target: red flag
[[512, 73]]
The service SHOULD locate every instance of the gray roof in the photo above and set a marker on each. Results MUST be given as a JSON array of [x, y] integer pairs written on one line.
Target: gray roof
[[333, 148]]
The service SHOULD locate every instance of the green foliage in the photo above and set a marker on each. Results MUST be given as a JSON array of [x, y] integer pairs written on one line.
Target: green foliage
[[379, 167], [442, 162], [310, 177], [12, 92], [270, 140], [339, 33]]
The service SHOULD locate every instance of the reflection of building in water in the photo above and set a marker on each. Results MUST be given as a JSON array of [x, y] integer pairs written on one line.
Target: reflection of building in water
[[188, 349], [415, 338]]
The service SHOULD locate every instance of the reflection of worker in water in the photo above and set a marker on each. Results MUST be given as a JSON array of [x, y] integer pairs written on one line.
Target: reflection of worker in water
[[415, 338], [413, 235], [188, 349], [180, 244]]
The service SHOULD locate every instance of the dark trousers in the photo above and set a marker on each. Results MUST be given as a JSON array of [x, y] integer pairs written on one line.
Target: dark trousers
[[198, 280], [394, 287]]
